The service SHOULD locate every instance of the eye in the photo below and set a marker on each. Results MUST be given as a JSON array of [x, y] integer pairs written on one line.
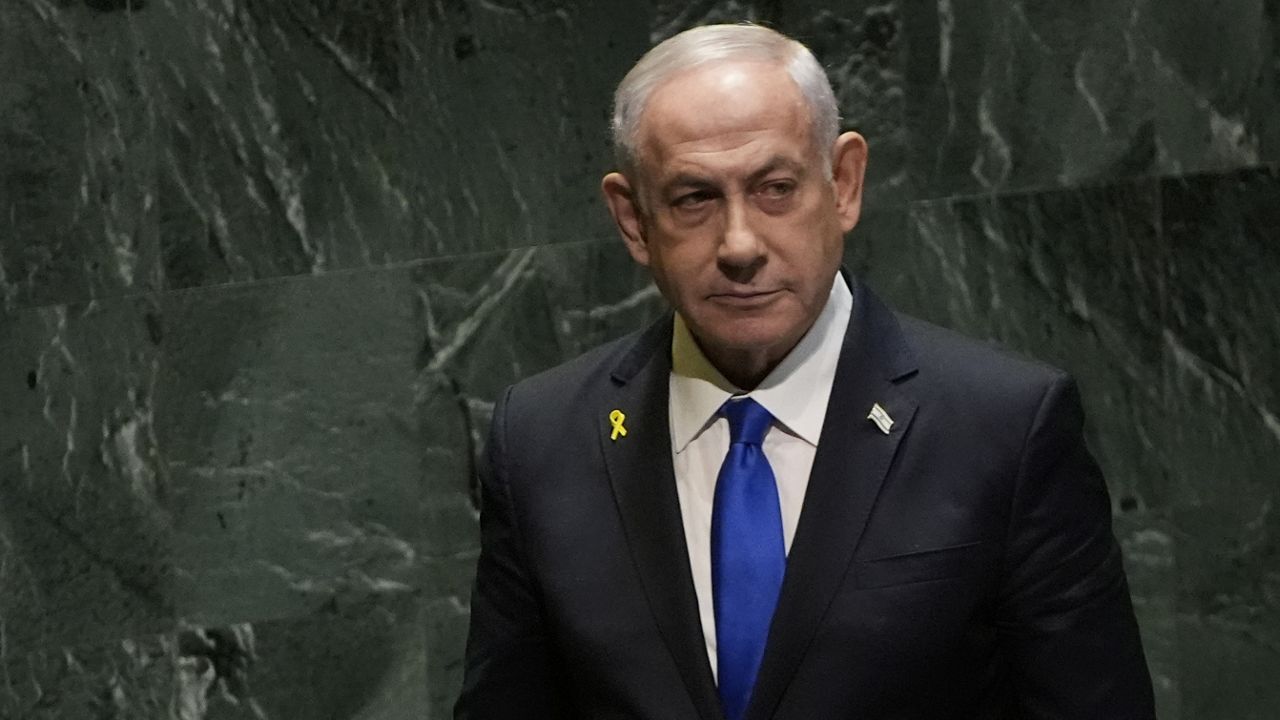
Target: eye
[[778, 190], [693, 200]]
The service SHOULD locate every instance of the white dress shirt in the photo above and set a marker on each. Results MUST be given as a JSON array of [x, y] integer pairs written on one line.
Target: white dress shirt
[[795, 393]]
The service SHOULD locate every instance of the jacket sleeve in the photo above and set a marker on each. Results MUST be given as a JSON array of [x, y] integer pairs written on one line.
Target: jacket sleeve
[[1065, 615], [511, 666]]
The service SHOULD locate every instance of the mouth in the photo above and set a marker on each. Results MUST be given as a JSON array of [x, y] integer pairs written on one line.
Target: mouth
[[744, 298]]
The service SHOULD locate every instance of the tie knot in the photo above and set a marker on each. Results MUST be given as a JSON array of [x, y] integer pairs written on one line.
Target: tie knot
[[748, 421]]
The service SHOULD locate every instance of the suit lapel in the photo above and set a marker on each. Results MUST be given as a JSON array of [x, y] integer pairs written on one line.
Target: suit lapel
[[852, 459], [644, 488]]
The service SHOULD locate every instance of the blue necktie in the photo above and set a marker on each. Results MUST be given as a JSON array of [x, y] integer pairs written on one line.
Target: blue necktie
[[748, 557]]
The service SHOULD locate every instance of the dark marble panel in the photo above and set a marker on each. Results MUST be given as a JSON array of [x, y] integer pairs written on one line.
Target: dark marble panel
[[303, 421], [1016, 95], [77, 193], [1007, 95], [1215, 81], [289, 461], [671, 17], [286, 417], [134, 678], [524, 112], [179, 144], [340, 135], [879, 250], [85, 531], [1222, 438], [321, 433], [1076, 278], [364, 661]]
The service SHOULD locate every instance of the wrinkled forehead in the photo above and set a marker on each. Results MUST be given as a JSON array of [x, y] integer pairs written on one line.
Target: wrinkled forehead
[[715, 105]]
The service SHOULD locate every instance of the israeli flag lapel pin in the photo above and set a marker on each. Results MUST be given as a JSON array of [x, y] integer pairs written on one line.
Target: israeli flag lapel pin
[[880, 418]]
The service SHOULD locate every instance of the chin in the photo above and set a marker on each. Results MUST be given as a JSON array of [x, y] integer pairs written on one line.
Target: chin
[[749, 334]]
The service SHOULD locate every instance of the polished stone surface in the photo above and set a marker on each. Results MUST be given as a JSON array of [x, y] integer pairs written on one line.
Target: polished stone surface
[[1221, 437], [187, 144], [1014, 95], [264, 267], [367, 661], [278, 456], [84, 536]]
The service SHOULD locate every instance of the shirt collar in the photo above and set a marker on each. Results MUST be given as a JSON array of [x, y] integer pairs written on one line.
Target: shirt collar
[[795, 392]]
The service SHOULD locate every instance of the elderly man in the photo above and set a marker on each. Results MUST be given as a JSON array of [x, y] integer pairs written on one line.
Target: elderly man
[[782, 500]]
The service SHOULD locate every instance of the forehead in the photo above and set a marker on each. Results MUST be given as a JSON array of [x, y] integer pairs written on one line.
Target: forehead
[[726, 109]]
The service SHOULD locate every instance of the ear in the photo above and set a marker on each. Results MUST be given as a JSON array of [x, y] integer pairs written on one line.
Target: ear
[[848, 168], [620, 196]]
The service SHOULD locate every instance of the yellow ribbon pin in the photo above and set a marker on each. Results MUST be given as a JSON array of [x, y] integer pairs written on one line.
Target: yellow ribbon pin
[[615, 419]]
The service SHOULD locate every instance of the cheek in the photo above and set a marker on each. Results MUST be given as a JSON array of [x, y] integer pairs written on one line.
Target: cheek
[[681, 258], [827, 233], [666, 272], [811, 244], [675, 278]]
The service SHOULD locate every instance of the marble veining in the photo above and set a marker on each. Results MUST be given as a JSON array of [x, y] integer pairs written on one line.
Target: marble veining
[[1014, 95]]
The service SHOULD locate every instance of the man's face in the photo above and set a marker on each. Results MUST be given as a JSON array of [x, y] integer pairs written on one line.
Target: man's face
[[732, 210]]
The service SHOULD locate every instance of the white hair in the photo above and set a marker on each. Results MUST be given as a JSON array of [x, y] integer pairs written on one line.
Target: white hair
[[723, 43]]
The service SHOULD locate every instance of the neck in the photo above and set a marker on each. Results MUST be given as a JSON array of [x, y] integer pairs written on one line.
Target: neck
[[746, 369]]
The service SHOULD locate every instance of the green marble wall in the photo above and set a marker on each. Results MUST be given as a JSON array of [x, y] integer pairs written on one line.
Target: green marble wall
[[264, 264]]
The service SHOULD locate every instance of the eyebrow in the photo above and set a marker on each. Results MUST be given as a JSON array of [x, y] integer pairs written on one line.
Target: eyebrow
[[686, 180], [773, 164], [779, 162]]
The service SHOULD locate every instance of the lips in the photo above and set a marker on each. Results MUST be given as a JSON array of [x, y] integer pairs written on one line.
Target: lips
[[744, 292], [744, 298]]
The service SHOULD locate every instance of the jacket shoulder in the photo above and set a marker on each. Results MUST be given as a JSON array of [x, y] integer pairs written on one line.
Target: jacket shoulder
[[988, 390], [969, 362]]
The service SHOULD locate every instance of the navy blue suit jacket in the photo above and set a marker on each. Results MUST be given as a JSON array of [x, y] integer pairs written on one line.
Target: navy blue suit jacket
[[960, 566]]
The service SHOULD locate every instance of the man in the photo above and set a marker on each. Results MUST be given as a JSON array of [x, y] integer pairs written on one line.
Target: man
[[781, 500]]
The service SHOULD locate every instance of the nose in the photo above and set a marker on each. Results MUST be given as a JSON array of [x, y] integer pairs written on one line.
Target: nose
[[741, 246]]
